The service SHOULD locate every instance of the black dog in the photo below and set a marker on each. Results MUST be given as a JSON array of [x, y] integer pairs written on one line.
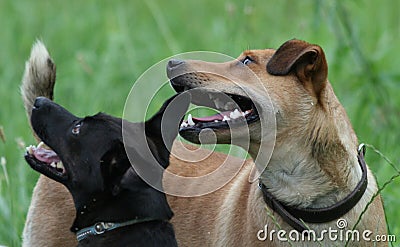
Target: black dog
[[114, 206]]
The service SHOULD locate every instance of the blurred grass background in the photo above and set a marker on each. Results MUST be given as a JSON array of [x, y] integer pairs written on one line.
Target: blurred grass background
[[101, 48]]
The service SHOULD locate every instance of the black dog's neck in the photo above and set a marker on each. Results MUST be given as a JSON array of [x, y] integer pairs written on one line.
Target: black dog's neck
[[131, 203]]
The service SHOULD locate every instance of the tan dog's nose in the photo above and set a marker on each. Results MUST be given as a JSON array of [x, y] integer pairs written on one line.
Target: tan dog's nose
[[175, 67], [173, 63]]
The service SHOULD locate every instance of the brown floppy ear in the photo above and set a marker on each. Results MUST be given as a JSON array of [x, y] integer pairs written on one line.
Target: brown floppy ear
[[307, 61]]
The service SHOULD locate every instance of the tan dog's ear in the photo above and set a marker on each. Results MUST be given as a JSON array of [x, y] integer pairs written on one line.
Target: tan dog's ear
[[306, 60]]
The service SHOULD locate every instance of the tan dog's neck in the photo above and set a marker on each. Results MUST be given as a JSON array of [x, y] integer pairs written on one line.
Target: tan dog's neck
[[321, 170]]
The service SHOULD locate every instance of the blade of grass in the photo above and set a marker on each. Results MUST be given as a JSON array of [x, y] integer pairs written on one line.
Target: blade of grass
[[395, 176]]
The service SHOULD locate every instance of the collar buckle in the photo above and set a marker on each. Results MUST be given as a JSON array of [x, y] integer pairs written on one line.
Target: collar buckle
[[101, 227]]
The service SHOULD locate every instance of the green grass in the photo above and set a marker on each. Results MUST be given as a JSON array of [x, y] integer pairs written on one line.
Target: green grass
[[101, 48]]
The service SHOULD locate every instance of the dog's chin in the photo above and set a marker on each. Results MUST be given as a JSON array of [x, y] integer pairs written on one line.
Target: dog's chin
[[217, 134], [236, 114], [45, 169], [52, 168]]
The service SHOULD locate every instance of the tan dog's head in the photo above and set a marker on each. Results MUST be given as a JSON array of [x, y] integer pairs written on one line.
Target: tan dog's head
[[289, 85]]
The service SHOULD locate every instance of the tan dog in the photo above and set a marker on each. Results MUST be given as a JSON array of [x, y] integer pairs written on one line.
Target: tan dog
[[314, 164]]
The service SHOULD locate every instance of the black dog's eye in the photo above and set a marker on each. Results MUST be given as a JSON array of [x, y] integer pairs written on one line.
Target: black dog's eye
[[77, 128], [247, 60]]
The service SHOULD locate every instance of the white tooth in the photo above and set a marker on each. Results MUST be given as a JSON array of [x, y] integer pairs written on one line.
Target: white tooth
[[40, 145], [60, 165], [226, 118], [29, 149], [184, 124], [247, 112], [216, 121], [237, 113], [53, 164], [190, 120]]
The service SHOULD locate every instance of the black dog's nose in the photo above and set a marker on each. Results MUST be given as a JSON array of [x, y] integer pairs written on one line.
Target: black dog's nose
[[173, 63], [40, 101]]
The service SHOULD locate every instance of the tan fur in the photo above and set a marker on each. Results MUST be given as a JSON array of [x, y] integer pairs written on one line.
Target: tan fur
[[315, 149], [50, 216]]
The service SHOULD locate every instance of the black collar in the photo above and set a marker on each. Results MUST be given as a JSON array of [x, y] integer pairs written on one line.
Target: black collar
[[294, 216], [103, 227]]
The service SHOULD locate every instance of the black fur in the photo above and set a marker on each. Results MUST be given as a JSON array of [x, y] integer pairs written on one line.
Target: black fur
[[104, 186]]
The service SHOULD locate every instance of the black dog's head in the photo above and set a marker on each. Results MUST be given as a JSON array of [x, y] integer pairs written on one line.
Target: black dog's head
[[88, 154]]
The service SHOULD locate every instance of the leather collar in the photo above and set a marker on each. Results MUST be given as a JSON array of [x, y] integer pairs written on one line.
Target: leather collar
[[296, 217]]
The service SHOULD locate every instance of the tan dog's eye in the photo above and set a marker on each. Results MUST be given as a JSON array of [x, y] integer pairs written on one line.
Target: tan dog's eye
[[247, 61]]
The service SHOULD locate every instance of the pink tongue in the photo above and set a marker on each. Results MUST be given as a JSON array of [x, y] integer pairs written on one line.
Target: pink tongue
[[218, 116], [46, 155]]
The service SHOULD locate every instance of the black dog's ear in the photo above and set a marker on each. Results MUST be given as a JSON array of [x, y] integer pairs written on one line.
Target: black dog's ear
[[166, 121], [162, 128], [114, 164]]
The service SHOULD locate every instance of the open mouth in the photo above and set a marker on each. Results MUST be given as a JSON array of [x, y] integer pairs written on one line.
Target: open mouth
[[44, 160], [234, 111]]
